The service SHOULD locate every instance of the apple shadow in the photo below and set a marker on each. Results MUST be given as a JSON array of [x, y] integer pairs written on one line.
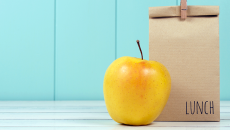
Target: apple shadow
[[133, 127], [122, 124]]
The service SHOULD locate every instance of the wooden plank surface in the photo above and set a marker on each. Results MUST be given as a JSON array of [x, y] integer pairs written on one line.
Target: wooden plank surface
[[67, 109], [117, 128], [55, 116], [69, 115], [69, 103], [114, 128], [52, 103], [104, 123]]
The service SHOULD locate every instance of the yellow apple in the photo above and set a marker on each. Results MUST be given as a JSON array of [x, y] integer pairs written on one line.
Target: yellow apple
[[136, 90]]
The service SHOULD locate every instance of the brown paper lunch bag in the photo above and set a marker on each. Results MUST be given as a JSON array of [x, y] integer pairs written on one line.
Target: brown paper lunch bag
[[190, 51]]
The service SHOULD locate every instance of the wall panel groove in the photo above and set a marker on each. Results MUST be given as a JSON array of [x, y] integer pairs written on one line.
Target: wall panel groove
[[54, 49]]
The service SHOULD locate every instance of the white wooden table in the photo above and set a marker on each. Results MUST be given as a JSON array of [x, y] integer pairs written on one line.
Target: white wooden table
[[87, 115]]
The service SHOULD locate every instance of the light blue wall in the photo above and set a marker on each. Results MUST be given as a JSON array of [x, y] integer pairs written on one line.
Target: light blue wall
[[26, 49], [133, 24], [85, 42], [60, 49], [224, 50]]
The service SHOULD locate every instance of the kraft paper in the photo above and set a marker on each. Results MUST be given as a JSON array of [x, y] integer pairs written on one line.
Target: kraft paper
[[189, 49]]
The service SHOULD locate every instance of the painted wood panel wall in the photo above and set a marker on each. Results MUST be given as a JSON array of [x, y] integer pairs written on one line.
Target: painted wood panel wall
[[85, 47], [26, 49], [60, 49]]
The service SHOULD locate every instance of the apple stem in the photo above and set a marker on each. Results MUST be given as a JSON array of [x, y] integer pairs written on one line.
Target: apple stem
[[140, 49]]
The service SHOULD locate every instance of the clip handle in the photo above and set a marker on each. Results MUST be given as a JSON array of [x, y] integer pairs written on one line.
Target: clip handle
[[183, 5]]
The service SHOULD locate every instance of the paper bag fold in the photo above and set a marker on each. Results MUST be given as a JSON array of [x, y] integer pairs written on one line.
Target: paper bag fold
[[170, 11]]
